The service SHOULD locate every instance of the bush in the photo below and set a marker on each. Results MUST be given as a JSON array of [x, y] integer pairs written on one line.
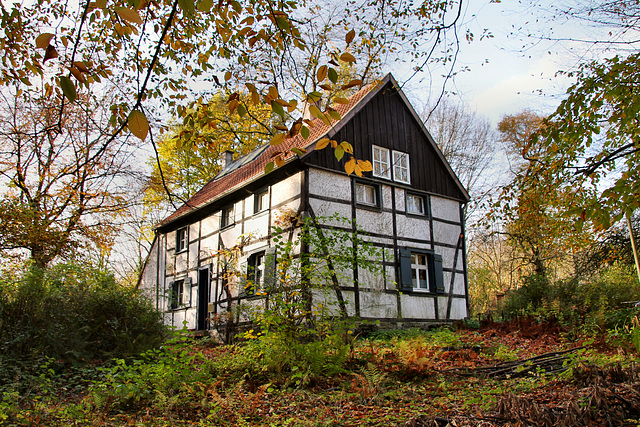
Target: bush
[[68, 315], [603, 300]]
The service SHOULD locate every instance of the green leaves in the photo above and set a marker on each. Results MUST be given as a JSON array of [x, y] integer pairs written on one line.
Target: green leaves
[[68, 88]]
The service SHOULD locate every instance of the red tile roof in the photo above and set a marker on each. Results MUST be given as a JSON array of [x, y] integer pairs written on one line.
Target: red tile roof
[[240, 176]]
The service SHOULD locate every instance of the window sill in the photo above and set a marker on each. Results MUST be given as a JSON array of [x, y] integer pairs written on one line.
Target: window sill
[[416, 215], [368, 207], [227, 227]]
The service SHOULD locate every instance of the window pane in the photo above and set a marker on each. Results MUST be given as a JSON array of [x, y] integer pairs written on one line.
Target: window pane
[[381, 162], [414, 279], [359, 193], [423, 279], [366, 194], [401, 166]]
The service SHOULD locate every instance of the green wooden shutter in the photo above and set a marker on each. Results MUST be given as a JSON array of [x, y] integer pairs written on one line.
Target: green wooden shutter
[[270, 271], [436, 273], [406, 283]]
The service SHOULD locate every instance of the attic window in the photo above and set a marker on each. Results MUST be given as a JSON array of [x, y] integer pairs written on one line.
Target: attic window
[[401, 167], [381, 167]]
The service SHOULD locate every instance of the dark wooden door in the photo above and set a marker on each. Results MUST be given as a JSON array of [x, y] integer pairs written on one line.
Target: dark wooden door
[[204, 280]]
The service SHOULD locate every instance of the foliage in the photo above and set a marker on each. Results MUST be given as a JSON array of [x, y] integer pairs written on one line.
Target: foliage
[[393, 381], [302, 327], [604, 300], [530, 209], [160, 377], [63, 187], [189, 156], [155, 54], [70, 314], [590, 144]]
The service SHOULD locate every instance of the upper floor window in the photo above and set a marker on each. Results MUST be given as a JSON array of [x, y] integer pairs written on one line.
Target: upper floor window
[[367, 194], [401, 167], [182, 239], [227, 218], [381, 163], [261, 200], [416, 204]]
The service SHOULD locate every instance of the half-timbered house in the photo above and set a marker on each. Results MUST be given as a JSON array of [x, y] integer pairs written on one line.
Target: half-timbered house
[[411, 205]]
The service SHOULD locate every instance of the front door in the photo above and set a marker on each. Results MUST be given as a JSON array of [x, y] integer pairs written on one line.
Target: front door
[[204, 280]]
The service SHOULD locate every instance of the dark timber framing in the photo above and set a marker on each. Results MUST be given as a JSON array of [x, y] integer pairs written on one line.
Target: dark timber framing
[[381, 116]]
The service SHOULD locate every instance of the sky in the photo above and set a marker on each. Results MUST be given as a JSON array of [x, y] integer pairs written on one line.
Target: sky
[[511, 72]]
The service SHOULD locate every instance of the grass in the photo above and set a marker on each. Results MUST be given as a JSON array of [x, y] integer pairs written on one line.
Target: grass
[[411, 378]]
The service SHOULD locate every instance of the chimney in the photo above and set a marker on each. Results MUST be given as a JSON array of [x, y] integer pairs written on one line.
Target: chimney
[[227, 159]]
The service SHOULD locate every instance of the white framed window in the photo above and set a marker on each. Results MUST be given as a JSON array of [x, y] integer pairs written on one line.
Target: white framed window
[[381, 163], [177, 294], [419, 271], [367, 194], [261, 200], [416, 204], [401, 167], [182, 239], [227, 218]]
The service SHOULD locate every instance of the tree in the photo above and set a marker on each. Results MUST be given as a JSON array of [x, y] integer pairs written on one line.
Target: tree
[[467, 141], [157, 52], [190, 155], [592, 141], [530, 206], [63, 188]]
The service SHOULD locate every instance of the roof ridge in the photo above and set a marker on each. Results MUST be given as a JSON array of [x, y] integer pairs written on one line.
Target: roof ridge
[[221, 184]]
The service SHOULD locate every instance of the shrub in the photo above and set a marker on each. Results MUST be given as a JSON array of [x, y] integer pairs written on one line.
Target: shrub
[[603, 300], [70, 314]]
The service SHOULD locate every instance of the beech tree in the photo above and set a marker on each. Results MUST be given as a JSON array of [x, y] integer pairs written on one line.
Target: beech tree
[[62, 188], [530, 208], [158, 53], [592, 141]]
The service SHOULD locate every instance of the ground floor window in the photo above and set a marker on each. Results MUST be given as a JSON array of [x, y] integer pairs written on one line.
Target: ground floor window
[[177, 294], [421, 270], [180, 293]]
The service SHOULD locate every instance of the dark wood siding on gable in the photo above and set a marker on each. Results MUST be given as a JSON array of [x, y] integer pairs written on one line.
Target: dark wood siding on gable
[[386, 121]]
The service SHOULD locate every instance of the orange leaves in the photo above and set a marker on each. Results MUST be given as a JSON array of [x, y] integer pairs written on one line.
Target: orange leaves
[[138, 124], [347, 57], [352, 83], [43, 40], [130, 15], [350, 36], [357, 166], [322, 73]]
